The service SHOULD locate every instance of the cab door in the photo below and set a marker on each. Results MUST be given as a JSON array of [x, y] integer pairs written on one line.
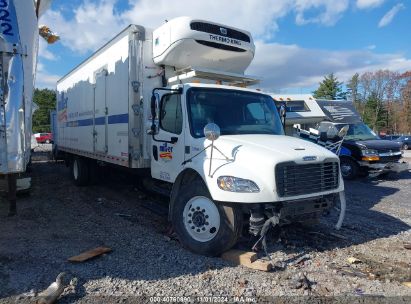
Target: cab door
[[168, 144]]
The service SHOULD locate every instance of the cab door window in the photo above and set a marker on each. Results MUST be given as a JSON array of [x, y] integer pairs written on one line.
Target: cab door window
[[171, 115]]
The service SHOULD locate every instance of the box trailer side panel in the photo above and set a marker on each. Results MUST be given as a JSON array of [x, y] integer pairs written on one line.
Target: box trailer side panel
[[93, 105]]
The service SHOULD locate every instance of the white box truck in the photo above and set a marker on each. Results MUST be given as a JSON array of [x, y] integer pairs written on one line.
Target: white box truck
[[18, 59], [173, 101]]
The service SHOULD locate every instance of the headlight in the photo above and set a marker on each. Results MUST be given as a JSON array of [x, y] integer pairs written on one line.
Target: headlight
[[235, 184], [369, 152], [370, 155]]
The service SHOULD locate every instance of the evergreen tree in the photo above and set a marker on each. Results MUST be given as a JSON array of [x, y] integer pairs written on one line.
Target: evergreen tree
[[330, 88], [352, 88], [375, 114], [46, 100]]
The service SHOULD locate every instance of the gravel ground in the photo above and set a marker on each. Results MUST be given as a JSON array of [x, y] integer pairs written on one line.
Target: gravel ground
[[58, 220]]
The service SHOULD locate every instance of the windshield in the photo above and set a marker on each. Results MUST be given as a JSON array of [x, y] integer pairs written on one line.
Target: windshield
[[358, 132], [235, 112]]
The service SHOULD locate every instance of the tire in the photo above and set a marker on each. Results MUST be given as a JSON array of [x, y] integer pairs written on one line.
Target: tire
[[363, 172], [80, 171], [349, 168], [405, 147], [216, 227]]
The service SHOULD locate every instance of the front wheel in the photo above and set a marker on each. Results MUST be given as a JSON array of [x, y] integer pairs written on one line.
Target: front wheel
[[349, 168], [203, 226]]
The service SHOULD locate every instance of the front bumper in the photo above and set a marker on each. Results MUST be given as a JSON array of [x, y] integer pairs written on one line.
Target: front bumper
[[378, 168]]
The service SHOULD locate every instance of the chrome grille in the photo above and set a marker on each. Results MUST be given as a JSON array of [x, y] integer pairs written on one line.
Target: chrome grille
[[293, 179]]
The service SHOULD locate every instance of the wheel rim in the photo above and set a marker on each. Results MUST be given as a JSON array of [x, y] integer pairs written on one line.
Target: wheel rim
[[201, 218], [346, 169], [405, 147], [75, 170]]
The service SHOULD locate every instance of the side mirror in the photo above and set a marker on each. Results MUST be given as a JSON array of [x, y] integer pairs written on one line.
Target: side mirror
[[343, 132], [283, 114], [212, 131], [153, 106]]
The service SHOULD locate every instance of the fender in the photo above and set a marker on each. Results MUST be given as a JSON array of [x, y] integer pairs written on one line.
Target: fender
[[185, 177]]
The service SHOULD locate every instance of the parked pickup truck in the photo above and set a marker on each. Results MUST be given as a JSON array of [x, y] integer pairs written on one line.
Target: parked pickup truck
[[362, 151]]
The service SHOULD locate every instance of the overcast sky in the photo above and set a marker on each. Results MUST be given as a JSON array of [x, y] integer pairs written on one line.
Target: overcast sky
[[297, 41]]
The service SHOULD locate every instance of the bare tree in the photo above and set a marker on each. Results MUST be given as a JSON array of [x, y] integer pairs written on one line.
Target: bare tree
[[376, 93]]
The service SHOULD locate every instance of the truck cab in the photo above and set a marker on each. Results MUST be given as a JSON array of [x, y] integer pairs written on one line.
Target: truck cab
[[248, 167]]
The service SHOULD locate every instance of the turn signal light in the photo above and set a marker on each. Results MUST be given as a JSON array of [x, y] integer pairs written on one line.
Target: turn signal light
[[370, 158]]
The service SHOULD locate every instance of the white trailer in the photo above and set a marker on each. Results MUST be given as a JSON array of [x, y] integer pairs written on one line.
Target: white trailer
[[160, 100], [18, 58]]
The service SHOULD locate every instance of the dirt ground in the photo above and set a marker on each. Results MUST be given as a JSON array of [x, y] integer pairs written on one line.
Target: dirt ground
[[58, 220]]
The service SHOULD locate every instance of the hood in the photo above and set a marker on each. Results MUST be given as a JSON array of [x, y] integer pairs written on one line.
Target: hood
[[378, 144], [255, 157], [278, 147]]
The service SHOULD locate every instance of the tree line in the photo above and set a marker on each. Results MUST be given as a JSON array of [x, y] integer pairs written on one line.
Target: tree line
[[383, 98], [45, 99]]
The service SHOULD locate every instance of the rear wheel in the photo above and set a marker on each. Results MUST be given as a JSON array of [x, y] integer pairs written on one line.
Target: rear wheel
[[349, 168], [203, 226], [80, 171]]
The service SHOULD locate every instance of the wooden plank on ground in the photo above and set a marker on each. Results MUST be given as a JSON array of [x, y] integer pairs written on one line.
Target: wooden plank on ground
[[239, 256], [260, 265], [247, 259], [87, 255]]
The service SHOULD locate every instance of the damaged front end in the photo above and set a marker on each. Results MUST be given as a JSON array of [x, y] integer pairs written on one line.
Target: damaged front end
[[266, 216], [377, 168]]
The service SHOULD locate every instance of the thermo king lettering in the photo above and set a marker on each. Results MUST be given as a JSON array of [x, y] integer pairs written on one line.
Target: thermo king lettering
[[225, 39]]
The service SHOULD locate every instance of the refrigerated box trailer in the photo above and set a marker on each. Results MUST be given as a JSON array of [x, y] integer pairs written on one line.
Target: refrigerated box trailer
[[174, 101]]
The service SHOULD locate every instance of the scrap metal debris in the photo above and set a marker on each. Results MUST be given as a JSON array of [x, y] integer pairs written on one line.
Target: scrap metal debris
[[53, 292], [349, 272], [353, 260], [301, 259], [359, 292], [122, 214], [337, 235], [301, 281], [407, 245]]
